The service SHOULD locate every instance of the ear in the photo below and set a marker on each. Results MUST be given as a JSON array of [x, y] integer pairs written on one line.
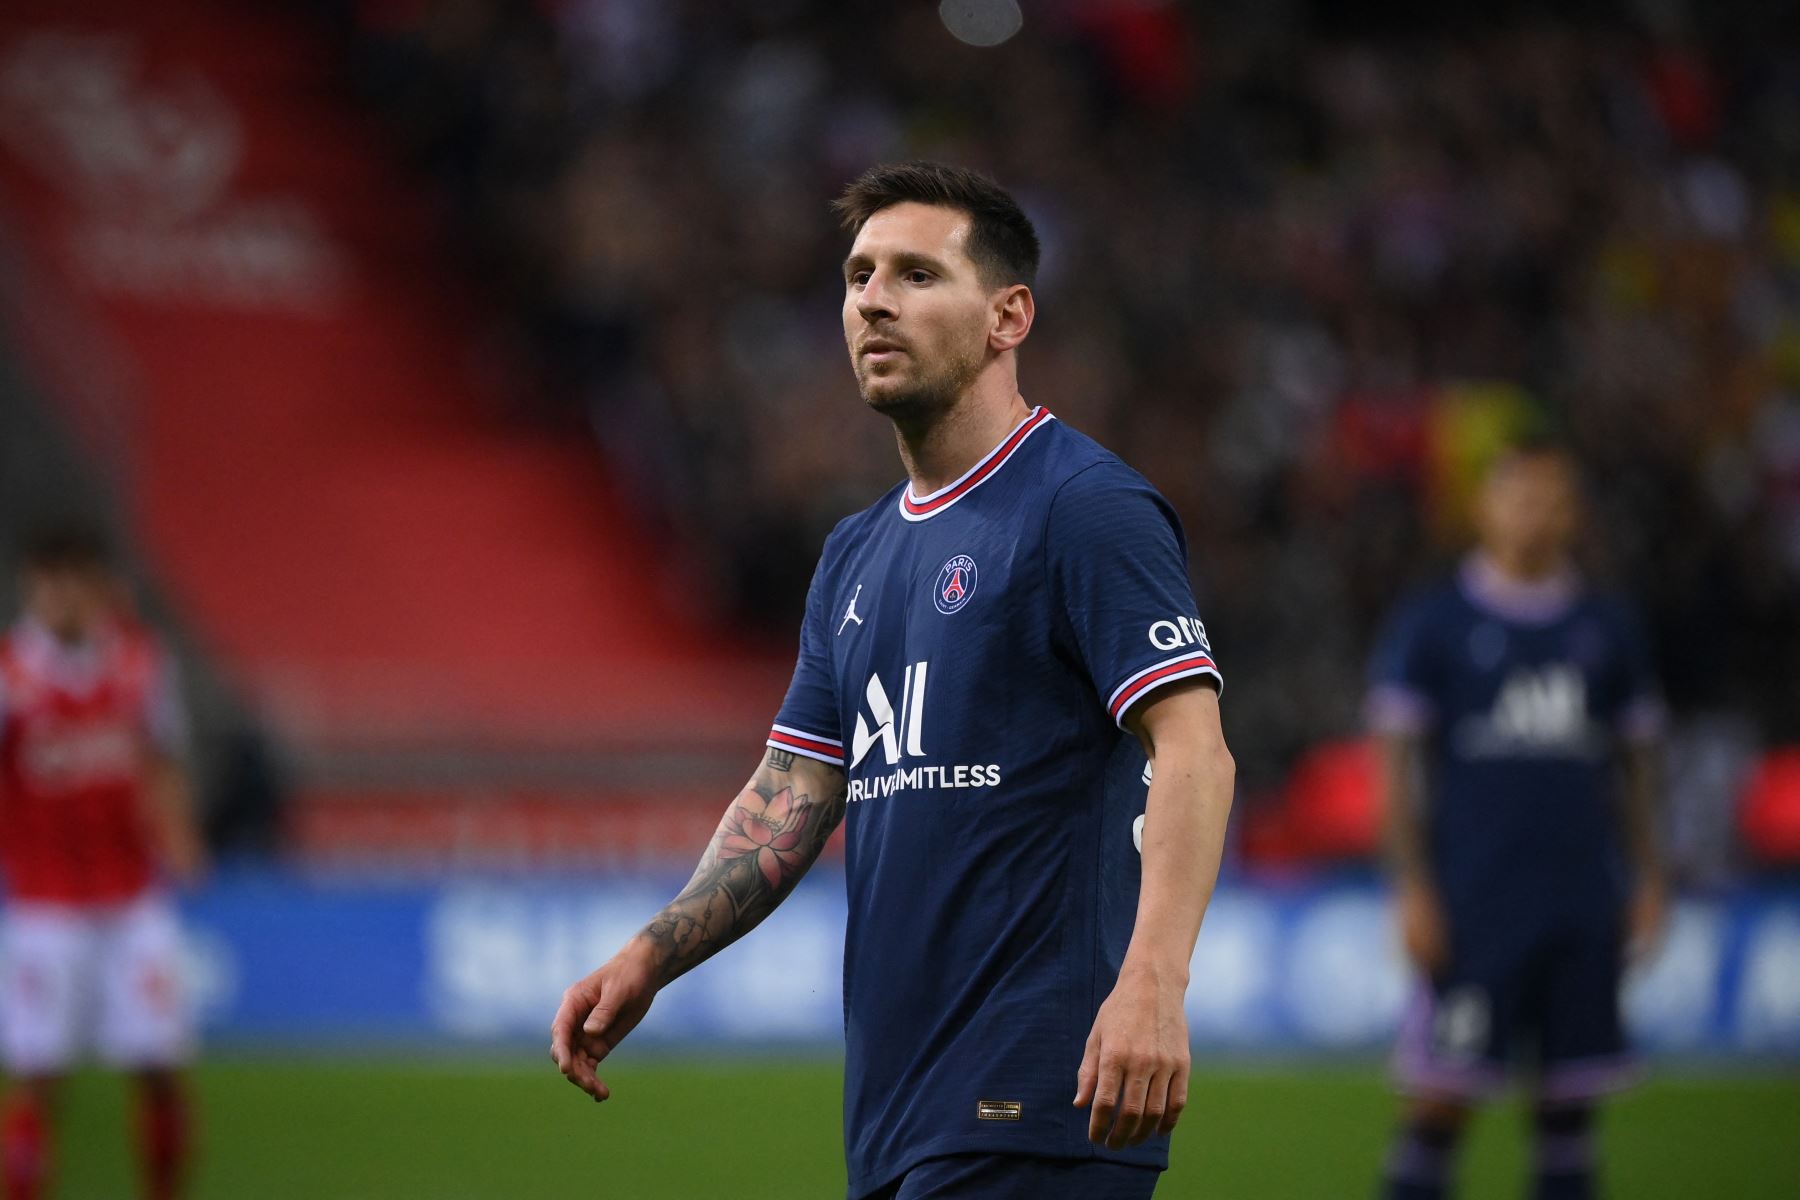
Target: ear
[[1013, 312]]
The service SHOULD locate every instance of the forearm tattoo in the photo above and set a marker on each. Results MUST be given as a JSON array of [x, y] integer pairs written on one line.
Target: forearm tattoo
[[772, 833]]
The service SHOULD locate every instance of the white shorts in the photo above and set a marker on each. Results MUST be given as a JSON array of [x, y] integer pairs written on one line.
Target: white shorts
[[100, 978]]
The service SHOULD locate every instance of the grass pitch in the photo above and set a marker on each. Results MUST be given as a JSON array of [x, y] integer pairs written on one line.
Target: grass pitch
[[462, 1130]]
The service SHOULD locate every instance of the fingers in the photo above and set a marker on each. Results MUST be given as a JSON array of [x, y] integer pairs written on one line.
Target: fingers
[[562, 1030], [1133, 1097], [1176, 1102], [1088, 1074], [600, 1020], [1134, 1100], [577, 1052], [581, 1074], [1107, 1084]]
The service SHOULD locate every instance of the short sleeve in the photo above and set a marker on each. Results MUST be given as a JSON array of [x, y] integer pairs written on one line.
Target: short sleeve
[[1402, 679], [165, 713], [1118, 573], [808, 721]]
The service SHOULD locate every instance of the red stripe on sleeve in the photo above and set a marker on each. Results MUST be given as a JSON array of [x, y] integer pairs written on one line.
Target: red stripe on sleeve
[[1197, 663], [801, 743]]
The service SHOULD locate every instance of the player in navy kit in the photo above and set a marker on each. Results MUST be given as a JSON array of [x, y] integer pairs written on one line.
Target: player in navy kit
[[1519, 719], [992, 659]]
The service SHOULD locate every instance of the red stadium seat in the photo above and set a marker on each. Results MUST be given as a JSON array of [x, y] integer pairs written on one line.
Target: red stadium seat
[[1329, 811], [1769, 816]]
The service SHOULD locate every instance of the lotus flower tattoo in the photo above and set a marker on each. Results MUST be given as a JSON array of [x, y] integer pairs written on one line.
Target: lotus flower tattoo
[[771, 828]]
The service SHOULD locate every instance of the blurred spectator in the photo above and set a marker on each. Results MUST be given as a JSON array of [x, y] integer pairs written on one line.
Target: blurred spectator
[[1304, 280]]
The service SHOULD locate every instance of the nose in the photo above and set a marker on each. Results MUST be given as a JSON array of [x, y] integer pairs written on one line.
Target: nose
[[875, 302]]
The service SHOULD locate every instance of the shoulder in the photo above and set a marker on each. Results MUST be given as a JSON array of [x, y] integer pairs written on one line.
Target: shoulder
[[1084, 476], [1617, 614], [1427, 608], [1073, 459], [1611, 606]]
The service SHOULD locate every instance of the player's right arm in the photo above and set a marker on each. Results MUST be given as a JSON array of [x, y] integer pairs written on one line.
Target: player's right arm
[[1401, 772], [1402, 711], [772, 832]]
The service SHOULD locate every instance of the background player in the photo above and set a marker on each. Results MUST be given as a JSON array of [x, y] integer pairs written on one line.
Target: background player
[[1023, 602], [94, 800], [1507, 701]]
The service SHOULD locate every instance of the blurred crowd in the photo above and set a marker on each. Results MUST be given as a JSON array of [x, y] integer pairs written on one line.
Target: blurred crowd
[[1304, 278]]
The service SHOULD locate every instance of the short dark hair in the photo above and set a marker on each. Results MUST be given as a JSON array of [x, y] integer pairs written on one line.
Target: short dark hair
[[65, 545], [1002, 243]]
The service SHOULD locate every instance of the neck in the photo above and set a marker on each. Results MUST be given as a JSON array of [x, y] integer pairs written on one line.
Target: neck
[[1525, 566], [939, 449]]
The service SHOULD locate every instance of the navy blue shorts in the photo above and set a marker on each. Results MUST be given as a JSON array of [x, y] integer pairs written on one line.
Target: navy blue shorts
[[1548, 1004], [1015, 1177]]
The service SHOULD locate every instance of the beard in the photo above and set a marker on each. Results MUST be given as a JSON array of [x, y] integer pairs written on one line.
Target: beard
[[931, 391]]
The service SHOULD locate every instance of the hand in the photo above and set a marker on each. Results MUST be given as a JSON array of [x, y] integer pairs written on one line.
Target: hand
[[596, 1014], [1646, 919], [1424, 930], [184, 857], [1136, 1064]]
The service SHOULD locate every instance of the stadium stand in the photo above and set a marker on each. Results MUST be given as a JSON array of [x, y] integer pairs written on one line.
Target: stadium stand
[[362, 412], [305, 426], [1304, 278]]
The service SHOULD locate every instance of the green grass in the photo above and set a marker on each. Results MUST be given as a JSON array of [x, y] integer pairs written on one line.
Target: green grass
[[385, 1130]]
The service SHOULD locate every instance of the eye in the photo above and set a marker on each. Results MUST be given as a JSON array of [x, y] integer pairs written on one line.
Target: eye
[[857, 278], [918, 275]]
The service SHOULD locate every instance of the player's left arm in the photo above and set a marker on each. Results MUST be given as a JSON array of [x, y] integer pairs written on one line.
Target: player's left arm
[[1639, 815], [169, 788], [1135, 1068], [1641, 721], [168, 782]]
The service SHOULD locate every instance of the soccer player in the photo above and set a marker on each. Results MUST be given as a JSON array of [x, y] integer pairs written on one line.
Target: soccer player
[[93, 805], [1518, 719], [992, 659]]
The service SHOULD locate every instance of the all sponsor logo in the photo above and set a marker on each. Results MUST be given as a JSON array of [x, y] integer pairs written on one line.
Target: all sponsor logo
[[1548, 706], [1537, 711], [955, 584], [899, 730]]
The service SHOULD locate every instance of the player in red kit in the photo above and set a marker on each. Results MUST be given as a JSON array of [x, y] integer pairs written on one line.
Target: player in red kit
[[94, 814]]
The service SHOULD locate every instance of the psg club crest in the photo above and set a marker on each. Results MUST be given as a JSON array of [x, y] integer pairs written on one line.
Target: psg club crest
[[955, 584]]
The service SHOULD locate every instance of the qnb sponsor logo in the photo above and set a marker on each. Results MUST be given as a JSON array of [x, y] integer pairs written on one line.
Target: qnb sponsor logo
[[1543, 711], [77, 756], [1182, 631], [893, 728]]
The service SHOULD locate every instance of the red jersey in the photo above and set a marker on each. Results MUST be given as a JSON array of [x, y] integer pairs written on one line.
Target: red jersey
[[77, 724]]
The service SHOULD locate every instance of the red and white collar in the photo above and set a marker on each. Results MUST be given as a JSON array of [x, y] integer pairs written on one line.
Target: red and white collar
[[925, 507]]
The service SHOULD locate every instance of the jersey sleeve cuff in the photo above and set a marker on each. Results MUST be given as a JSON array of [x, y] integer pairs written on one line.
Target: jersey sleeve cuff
[[1136, 687], [1395, 708], [808, 745]]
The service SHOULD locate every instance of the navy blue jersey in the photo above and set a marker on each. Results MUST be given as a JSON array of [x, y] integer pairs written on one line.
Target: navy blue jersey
[[969, 657], [1523, 693]]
